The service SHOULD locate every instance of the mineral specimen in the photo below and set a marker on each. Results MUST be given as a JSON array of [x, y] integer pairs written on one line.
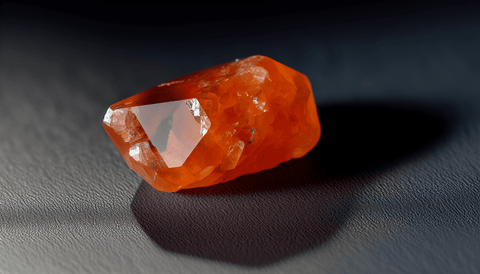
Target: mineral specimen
[[216, 124]]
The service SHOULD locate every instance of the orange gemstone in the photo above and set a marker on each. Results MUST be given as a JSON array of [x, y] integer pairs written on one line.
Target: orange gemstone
[[216, 124]]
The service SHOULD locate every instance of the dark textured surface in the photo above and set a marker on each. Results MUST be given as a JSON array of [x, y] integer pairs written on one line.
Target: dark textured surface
[[393, 186]]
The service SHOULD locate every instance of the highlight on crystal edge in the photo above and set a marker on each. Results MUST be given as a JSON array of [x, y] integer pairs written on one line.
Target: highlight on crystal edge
[[215, 125]]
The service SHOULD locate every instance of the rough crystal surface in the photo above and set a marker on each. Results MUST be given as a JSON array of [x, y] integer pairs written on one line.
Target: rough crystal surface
[[216, 124]]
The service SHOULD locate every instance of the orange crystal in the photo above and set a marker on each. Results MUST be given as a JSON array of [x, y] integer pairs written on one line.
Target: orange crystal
[[217, 124]]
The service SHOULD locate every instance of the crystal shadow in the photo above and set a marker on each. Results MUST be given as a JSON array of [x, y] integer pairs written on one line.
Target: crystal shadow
[[270, 216]]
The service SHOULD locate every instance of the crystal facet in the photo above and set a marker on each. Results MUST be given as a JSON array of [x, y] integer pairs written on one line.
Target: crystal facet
[[174, 128], [217, 124]]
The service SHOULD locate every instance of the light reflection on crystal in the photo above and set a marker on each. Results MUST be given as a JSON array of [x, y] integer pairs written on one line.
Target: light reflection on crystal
[[194, 107], [134, 152], [260, 74], [233, 155], [259, 103], [108, 116], [205, 125]]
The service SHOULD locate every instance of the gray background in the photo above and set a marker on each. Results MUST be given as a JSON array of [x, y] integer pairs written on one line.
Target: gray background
[[392, 187]]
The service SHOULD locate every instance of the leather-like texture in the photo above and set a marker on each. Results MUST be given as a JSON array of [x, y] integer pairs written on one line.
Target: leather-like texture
[[392, 187]]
